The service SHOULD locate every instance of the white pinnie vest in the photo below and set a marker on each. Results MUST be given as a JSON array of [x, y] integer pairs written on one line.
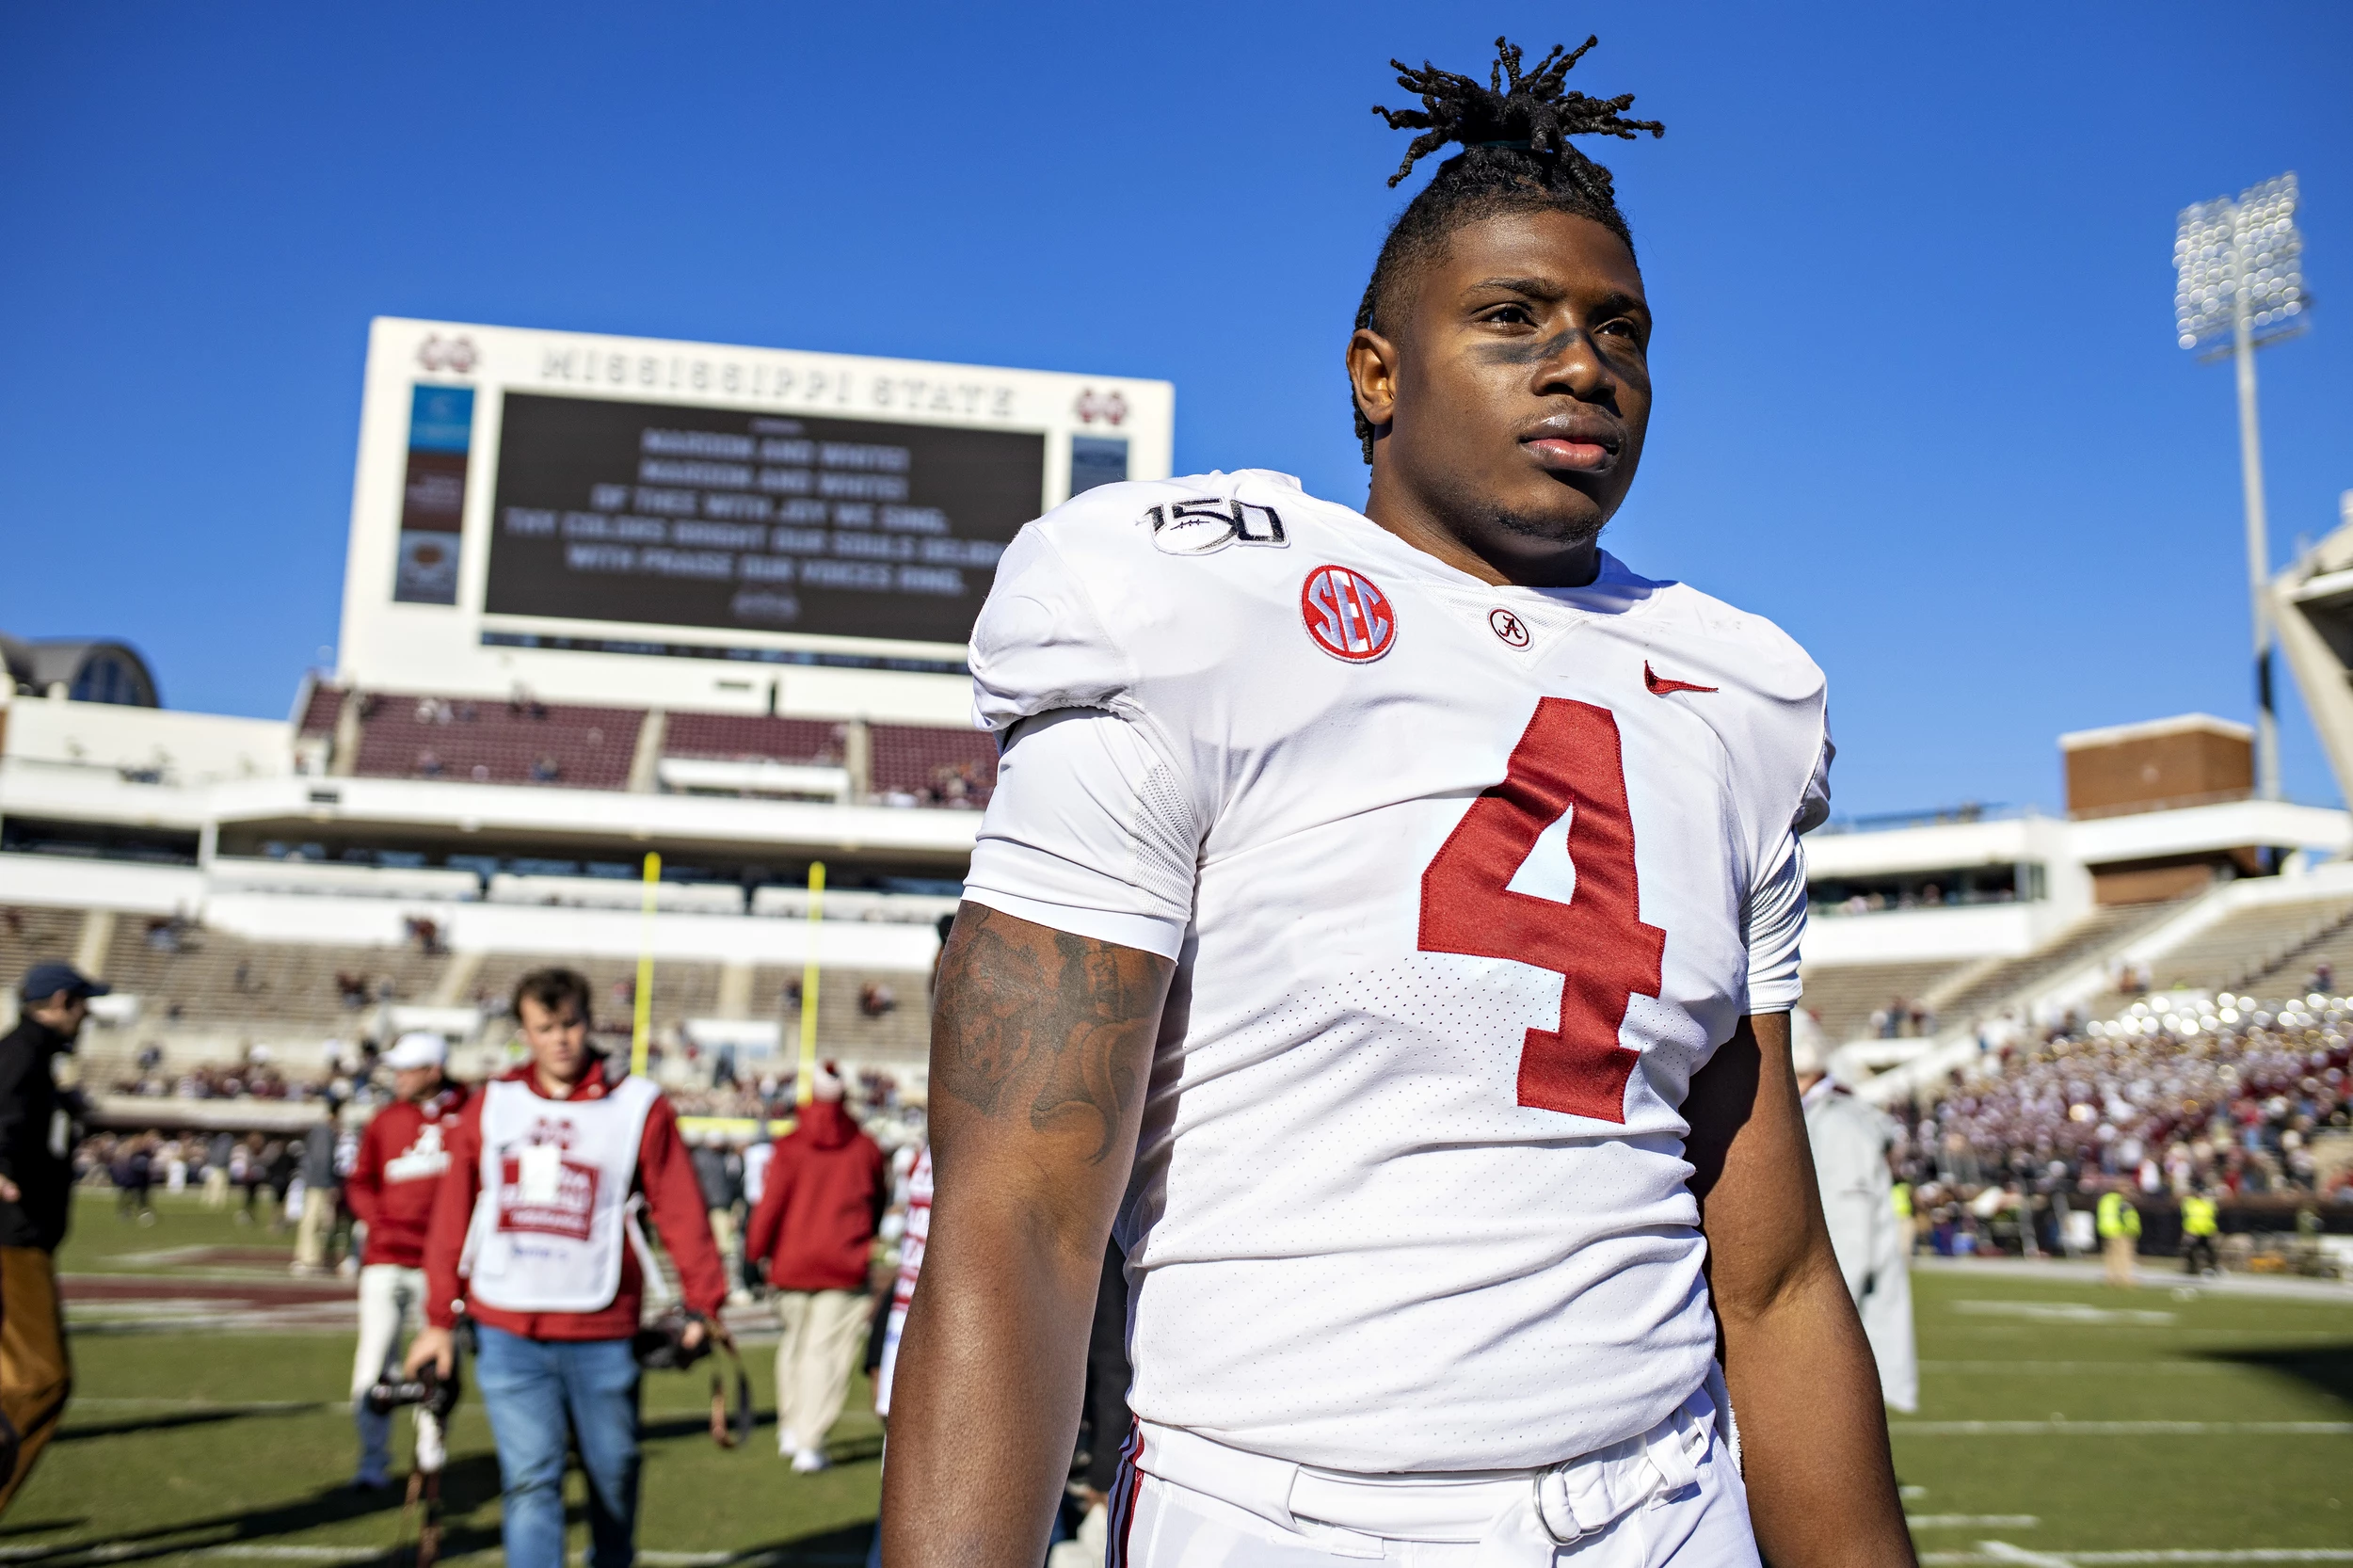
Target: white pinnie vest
[[555, 1209]]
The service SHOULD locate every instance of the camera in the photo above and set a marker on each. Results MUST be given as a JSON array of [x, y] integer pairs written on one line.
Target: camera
[[427, 1390], [661, 1345]]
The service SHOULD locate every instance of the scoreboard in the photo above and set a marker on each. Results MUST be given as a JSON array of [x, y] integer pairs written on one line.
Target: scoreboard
[[524, 499]]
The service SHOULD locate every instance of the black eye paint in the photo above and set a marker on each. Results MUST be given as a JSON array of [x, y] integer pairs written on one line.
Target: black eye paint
[[1526, 353]]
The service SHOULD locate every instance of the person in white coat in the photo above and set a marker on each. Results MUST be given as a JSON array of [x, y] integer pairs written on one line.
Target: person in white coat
[[1850, 1140]]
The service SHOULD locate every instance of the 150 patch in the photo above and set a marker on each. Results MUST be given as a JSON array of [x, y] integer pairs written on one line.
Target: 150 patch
[[1205, 526]]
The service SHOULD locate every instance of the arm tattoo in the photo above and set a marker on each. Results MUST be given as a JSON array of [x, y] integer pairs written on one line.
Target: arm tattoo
[[1028, 1010]]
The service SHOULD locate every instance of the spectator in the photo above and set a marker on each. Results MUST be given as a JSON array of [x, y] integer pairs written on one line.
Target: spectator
[[134, 1175], [719, 1172], [543, 1166], [1871, 1239], [824, 1195], [217, 1170], [398, 1169], [36, 1201], [322, 1194]]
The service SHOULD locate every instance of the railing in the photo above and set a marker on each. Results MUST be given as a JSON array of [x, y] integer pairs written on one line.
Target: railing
[[1937, 816]]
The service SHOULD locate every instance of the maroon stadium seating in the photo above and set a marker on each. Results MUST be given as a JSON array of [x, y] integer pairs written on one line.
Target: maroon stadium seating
[[319, 714], [490, 742], [938, 767], [751, 736]]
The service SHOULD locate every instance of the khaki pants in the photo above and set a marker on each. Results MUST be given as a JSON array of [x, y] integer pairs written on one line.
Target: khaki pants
[[317, 1226], [35, 1373], [216, 1187], [725, 1236], [813, 1360], [2119, 1252]]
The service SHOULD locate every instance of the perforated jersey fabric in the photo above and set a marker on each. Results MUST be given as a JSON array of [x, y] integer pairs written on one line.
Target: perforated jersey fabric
[[1463, 883]]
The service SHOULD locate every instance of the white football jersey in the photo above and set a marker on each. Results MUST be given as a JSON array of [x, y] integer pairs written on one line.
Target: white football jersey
[[1463, 883]]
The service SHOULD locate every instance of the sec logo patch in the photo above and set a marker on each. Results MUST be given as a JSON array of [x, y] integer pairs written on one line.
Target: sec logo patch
[[1347, 615]]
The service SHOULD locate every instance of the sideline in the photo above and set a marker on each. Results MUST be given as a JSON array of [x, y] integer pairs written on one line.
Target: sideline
[[2074, 1271]]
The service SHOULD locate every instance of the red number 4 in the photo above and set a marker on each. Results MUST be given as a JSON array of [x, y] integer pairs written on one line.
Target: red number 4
[[1568, 762]]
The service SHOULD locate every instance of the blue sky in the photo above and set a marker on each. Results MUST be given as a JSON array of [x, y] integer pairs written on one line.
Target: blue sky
[[1918, 397]]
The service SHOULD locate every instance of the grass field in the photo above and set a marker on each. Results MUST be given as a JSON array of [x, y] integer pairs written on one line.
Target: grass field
[[2060, 1420]]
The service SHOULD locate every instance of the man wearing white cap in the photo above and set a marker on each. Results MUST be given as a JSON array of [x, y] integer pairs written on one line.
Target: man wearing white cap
[[390, 1191], [1850, 1140]]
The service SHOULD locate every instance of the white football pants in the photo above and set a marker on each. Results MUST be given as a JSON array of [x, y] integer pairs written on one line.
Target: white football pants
[[1670, 1497]]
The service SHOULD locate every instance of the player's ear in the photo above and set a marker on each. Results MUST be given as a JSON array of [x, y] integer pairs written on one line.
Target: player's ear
[[1372, 369]]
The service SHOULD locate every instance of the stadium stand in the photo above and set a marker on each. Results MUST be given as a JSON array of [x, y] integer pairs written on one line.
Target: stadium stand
[[516, 742], [1994, 985], [681, 991], [2246, 947], [915, 765], [187, 976], [2233, 1093], [752, 737], [322, 705], [849, 1023], [34, 934], [1844, 998]]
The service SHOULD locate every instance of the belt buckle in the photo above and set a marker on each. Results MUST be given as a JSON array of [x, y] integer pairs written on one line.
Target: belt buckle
[[1544, 1516]]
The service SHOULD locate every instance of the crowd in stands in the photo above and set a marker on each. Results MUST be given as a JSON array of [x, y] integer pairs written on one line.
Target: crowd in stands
[[2231, 1097]]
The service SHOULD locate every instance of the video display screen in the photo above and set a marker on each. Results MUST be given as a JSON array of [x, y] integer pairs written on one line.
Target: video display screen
[[670, 516]]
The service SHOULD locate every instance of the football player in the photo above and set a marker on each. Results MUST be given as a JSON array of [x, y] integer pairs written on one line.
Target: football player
[[1386, 924]]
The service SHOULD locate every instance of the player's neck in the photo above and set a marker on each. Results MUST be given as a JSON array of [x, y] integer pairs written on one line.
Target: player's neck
[[1527, 562]]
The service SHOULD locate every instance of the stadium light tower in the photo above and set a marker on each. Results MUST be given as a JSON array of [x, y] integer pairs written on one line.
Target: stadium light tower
[[2240, 265]]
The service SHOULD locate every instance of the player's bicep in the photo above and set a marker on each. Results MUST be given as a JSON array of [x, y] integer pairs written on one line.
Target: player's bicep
[[1752, 1171], [1041, 1047]]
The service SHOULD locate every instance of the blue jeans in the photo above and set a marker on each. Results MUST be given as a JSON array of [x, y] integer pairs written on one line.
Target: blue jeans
[[535, 1391]]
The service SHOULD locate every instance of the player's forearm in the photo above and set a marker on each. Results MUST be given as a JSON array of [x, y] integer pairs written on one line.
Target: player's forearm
[[1813, 1437], [1813, 1433], [986, 1397], [1041, 1047]]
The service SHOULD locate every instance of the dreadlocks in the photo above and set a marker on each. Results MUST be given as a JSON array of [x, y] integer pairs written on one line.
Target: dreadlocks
[[1516, 156]]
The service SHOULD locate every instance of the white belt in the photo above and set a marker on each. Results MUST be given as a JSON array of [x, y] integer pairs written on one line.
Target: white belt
[[1516, 1516]]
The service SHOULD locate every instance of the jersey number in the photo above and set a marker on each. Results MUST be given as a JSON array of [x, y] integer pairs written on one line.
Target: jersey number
[[1567, 763]]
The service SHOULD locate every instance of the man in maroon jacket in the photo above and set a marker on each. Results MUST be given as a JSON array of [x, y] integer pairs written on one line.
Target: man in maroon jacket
[[393, 1179], [535, 1237], [826, 1186]]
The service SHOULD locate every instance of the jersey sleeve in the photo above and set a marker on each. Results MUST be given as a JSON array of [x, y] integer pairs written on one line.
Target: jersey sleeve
[[1777, 904], [1088, 832], [1041, 644]]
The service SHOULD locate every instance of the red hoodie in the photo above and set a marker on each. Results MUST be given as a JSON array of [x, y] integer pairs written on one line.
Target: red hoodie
[[827, 1186], [402, 1157], [665, 1175]]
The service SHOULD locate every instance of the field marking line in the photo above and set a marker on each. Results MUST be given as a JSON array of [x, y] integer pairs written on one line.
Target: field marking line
[[2066, 1312], [2002, 1551], [2064, 1367], [1972, 1521], [226, 1407], [2120, 1429], [2133, 1559]]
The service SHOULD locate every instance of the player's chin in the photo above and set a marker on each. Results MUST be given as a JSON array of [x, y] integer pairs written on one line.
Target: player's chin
[[1557, 515]]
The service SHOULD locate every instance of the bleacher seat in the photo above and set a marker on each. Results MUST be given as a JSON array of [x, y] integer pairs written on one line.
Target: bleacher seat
[[934, 766], [844, 1028], [186, 976], [2264, 947], [681, 990], [1843, 996], [752, 737], [320, 713], [489, 741], [2098, 932]]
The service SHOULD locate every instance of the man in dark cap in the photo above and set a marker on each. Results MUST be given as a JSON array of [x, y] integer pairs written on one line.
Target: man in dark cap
[[36, 1198]]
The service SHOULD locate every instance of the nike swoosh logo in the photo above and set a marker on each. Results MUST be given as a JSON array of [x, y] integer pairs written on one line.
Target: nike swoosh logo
[[1661, 686]]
